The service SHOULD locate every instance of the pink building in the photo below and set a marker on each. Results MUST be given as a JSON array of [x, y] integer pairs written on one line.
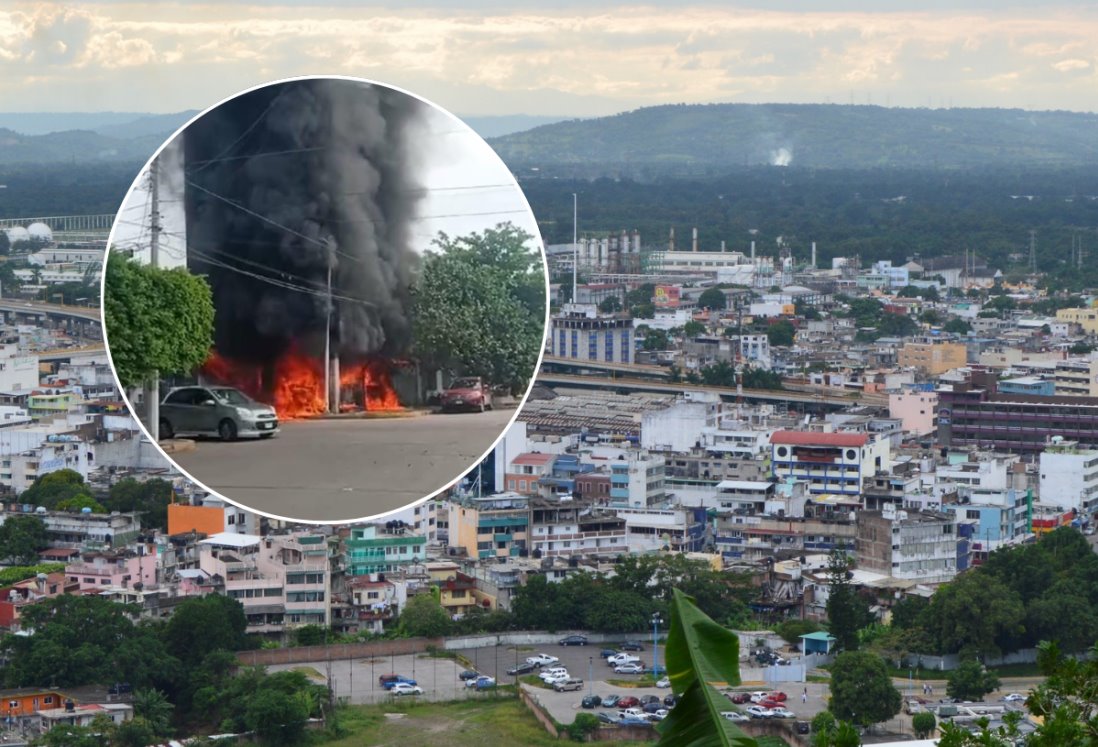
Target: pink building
[[526, 469], [917, 410], [114, 569]]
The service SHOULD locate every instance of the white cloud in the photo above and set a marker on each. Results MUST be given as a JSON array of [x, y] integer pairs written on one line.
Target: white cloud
[[589, 58]]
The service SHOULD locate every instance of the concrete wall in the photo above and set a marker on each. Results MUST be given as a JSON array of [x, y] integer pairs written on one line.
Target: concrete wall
[[305, 654]]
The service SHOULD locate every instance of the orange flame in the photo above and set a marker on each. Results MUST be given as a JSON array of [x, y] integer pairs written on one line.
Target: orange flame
[[298, 387]]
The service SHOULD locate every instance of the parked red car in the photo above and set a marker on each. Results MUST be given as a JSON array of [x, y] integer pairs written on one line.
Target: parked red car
[[777, 695], [740, 698], [469, 393], [628, 702], [770, 703]]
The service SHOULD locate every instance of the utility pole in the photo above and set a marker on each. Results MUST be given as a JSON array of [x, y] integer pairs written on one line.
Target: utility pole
[[152, 385], [328, 341], [1033, 251]]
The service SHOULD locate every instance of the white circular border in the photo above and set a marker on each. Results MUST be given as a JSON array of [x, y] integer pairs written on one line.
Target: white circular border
[[329, 522]]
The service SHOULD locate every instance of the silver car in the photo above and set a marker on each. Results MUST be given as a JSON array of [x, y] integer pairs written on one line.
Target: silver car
[[215, 411]]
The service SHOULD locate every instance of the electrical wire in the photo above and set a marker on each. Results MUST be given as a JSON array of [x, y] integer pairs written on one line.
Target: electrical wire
[[252, 126]]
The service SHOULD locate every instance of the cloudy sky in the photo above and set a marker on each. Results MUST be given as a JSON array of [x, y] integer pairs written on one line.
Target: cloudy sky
[[565, 58]]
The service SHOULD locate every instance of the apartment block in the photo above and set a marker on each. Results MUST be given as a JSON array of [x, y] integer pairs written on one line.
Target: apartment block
[[580, 332], [932, 357], [1075, 378], [829, 462], [575, 528], [491, 526], [1069, 477], [382, 548], [915, 545]]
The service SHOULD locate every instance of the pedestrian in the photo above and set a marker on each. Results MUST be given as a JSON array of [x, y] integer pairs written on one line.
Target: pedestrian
[[804, 696]]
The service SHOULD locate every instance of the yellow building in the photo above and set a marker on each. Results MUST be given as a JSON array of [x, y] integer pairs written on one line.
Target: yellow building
[[493, 526], [1085, 318], [932, 357]]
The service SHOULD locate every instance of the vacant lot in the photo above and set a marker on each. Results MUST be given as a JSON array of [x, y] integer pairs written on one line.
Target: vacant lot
[[502, 721]]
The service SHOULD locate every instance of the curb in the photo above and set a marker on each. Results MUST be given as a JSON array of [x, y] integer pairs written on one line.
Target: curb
[[379, 415]]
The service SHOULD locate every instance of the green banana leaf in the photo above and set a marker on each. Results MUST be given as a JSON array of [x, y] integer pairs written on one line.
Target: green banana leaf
[[700, 654]]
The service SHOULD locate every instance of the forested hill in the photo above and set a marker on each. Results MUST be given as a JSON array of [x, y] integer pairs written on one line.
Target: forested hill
[[712, 138]]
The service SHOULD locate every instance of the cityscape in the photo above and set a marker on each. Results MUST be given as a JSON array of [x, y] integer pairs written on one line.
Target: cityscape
[[823, 457]]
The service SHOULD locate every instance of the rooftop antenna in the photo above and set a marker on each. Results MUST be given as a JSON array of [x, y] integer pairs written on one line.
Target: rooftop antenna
[[575, 244]]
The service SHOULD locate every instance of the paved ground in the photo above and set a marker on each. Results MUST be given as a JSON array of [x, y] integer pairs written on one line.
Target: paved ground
[[342, 470], [356, 680]]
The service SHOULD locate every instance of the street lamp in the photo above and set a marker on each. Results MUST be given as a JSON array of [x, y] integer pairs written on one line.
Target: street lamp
[[590, 674], [656, 622]]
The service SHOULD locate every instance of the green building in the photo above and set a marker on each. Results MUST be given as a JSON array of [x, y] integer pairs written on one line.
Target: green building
[[378, 549]]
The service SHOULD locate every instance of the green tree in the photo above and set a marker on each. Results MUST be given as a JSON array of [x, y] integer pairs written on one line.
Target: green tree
[[656, 340], [781, 333], [155, 320], [957, 326], [1067, 701], [975, 614], [276, 717], [923, 724], [693, 329], [612, 611], [824, 721], [137, 732], [83, 640], [792, 630], [22, 538], [861, 689], [153, 706], [847, 613], [205, 624], [150, 498], [713, 298], [971, 681], [53, 488], [720, 373], [79, 502], [643, 311], [583, 725], [424, 617], [309, 635], [843, 734], [480, 306], [610, 305]]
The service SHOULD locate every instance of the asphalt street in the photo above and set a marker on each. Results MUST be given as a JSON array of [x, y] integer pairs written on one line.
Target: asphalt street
[[345, 469]]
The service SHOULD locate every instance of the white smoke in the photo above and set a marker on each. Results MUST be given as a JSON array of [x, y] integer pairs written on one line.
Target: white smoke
[[781, 157]]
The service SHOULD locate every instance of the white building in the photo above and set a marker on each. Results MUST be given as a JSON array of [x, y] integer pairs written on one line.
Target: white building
[[679, 427], [1069, 477], [580, 332], [913, 545], [831, 463], [755, 351]]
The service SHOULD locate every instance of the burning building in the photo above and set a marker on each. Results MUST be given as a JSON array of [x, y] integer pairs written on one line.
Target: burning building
[[299, 200]]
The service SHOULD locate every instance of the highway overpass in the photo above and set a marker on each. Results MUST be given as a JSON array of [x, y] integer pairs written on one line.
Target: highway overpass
[[620, 383], [49, 309]]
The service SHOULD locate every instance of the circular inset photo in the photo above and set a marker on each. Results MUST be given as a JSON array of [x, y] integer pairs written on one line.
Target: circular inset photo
[[325, 299]]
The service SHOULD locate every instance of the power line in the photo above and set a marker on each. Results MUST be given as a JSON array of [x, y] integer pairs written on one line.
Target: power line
[[252, 126]]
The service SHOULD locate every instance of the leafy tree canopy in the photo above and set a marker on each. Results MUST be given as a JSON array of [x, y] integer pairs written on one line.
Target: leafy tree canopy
[[155, 320], [861, 689], [480, 306]]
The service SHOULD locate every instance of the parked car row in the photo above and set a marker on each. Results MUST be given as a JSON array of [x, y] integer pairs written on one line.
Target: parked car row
[[613, 701], [758, 711]]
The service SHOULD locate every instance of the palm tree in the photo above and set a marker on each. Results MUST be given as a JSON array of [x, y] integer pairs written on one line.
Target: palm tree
[[153, 706]]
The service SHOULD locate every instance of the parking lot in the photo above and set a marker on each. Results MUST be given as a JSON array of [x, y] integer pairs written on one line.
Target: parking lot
[[356, 680]]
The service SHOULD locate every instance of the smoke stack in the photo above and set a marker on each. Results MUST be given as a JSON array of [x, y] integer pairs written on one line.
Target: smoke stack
[[636, 241], [694, 241], [722, 245], [813, 255], [752, 250], [672, 242]]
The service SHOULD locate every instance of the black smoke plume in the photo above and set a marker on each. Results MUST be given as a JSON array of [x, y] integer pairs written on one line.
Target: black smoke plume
[[288, 179]]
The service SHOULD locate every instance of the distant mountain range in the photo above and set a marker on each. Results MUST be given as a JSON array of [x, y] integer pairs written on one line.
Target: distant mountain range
[[133, 136], [714, 138]]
